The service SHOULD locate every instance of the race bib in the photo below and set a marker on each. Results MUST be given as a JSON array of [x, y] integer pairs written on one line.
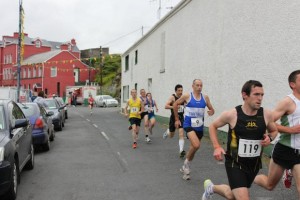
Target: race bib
[[196, 122], [150, 109], [134, 109], [180, 109], [249, 148]]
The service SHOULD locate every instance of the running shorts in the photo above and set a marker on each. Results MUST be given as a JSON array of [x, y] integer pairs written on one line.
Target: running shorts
[[190, 129], [143, 114], [172, 127], [285, 156], [135, 121], [238, 177]]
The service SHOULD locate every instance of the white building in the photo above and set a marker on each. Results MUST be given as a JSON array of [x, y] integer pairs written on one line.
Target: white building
[[224, 43]]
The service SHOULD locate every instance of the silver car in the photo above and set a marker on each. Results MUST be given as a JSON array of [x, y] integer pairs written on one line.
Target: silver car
[[106, 101]]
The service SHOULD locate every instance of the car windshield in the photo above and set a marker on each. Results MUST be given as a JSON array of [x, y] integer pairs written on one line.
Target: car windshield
[[60, 101], [29, 109], [2, 122], [50, 103], [107, 97]]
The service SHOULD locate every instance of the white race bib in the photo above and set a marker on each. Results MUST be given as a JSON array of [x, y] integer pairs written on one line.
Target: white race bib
[[180, 109], [196, 122], [249, 148], [134, 110], [150, 109]]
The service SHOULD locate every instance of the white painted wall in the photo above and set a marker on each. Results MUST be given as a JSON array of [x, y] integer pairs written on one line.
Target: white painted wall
[[224, 43]]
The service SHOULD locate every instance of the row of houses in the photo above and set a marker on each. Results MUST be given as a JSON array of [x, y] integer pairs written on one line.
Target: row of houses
[[224, 43], [46, 65]]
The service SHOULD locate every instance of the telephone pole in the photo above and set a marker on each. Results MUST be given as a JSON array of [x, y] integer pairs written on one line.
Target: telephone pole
[[101, 70], [19, 50]]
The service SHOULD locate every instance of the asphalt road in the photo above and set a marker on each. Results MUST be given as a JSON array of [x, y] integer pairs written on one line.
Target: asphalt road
[[92, 159]]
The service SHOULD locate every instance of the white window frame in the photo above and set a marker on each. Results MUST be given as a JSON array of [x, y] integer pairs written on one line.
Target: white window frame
[[53, 72], [38, 44], [29, 73], [34, 72]]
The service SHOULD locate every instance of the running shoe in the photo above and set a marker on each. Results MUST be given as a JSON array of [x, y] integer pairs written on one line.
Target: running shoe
[[166, 134], [208, 190], [287, 178], [186, 173], [147, 139], [134, 145], [129, 127], [182, 154]]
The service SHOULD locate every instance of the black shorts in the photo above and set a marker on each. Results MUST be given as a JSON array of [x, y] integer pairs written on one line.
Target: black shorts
[[238, 177], [135, 121], [285, 156], [198, 133], [143, 114], [172, 127]]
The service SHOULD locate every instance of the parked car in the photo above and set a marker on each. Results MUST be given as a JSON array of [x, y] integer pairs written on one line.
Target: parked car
[[62, 103], [105, 101], [16, 148], [40, 119], [58, 117]]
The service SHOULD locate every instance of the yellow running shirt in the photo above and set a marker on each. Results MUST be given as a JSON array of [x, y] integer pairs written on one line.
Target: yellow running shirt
[[135, 107]]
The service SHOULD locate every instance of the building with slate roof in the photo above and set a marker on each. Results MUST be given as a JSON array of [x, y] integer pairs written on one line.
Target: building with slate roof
[[46, 65]]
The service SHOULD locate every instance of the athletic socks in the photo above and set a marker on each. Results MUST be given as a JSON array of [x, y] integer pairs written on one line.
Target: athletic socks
[[181, 145]]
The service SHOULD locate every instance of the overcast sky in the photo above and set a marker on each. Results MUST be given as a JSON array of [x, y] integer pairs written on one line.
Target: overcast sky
[[116, 24]]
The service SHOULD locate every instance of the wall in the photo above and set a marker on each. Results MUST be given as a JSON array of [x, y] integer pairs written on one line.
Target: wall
[[224, 43]]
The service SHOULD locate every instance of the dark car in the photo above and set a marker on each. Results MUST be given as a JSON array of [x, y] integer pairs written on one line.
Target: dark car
[[62, 103], [58, 117], [16, 148], [43, 129]]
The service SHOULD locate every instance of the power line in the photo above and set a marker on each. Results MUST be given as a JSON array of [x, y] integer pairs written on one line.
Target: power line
[[120, 37]]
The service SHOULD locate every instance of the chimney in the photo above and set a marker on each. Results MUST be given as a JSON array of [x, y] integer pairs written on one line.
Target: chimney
[[64, 47], [73, 42]]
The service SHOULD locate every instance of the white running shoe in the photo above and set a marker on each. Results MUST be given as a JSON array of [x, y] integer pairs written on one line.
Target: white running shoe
[[147, 139], [166, 134], [186, 173], [208, 190]]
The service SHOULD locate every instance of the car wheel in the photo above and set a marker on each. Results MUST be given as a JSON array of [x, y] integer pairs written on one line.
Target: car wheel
[[67, 116], [12, 192], [47, 145], [51, 138], [30, 164], [60, 126]]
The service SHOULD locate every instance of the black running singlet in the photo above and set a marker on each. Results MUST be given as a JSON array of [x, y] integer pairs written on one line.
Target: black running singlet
[[179, 113], [243, 146]]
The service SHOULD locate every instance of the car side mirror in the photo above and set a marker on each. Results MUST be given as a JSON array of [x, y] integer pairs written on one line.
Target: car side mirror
[[21, 123], [50, 113]]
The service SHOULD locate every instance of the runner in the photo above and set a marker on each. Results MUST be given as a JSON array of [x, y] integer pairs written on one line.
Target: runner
[[171, 130], [91, 103], [150, 120], [246, 137], [136, 108], [193, 120], [286, 152]]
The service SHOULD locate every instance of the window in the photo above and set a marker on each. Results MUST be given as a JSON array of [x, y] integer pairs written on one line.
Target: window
[[24, 73], [38, 44], [34, 73], [149, 84], [135, 86], [127, 63], [136, 57], [125, 93], [53, 71], [40, 72], [29, 73]]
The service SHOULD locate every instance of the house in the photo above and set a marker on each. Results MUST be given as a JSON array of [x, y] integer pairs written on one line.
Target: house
[[224, 43], [46, 65]]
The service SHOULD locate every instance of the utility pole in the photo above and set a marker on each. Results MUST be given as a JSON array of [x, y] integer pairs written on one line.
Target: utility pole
[[90, 52], [101, 71], [19, 51]]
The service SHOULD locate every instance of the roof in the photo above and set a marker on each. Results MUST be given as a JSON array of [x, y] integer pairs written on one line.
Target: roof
[[30, 41], [176, 9], [41, 57]]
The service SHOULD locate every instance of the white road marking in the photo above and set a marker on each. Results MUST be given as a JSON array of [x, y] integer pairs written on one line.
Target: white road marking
[[104, 135], [88, 120], [123, 159], [95, 125]]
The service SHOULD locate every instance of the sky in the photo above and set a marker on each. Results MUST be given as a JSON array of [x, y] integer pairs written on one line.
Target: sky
[[116, 24]]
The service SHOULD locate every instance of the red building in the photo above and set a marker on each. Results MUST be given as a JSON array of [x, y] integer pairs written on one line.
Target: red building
[[46, 65]]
